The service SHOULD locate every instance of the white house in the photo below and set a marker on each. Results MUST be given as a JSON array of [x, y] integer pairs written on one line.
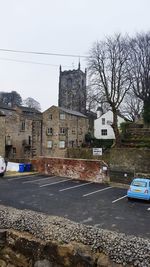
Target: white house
[[102, 125]]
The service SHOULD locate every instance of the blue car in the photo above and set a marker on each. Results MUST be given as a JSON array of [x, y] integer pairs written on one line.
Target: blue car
[[139, 188]]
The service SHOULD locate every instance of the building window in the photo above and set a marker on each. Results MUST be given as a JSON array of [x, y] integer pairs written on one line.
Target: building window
[[50, 116], [62, 130], [103, 121], [29, 140], [22, 125], [73, 130], [62, 116], [71, 143], [49, 131], [61, 144], [80, 131], [49, 144], [69, 83], [104, 132], [14, 150]]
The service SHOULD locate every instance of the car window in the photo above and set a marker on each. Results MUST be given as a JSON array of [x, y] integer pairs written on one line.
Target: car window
[[139, 183]]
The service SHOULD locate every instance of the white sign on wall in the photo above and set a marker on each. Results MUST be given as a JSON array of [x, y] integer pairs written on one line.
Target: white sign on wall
[[97, 151]]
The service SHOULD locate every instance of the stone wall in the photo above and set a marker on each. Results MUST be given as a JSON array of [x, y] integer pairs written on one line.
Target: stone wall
[[130, 161], [124, 163], [90, 170], [36, 240]]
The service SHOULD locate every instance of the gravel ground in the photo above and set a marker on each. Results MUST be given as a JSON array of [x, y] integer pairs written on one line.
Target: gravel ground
[[121, 248]]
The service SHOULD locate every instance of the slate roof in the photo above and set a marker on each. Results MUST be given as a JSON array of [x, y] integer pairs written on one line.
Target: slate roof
[[4, 106], [72, 112], [29, 110]]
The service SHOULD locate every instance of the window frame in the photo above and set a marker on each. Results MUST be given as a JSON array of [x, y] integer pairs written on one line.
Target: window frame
[[62, 116], [103, 121], [60, 144], [62, 130], [49, 131], [104, 132], [23, 125], [49, 142], [50, 116]]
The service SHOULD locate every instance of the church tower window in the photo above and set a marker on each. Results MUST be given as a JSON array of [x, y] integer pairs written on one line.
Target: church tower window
[[69, 83]]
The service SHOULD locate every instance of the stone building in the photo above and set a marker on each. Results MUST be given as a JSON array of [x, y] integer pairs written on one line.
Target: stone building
[[26, 133], [5, 112], [62, 128], [72, 90], [29, 132], [23, 132]]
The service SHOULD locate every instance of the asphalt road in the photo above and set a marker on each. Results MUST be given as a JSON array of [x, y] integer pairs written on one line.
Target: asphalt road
[[100, 205]]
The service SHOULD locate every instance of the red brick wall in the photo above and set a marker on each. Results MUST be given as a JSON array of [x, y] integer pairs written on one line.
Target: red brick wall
[[90, 170]]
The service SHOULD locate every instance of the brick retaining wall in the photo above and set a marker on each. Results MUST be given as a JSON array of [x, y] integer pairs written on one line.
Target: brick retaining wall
[[90, 170]]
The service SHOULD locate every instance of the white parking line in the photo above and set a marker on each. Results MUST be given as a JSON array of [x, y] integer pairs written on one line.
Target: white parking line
[[56, 182], [18, 178], [118, 199], [106, 188], [72, 187], [41, 179]]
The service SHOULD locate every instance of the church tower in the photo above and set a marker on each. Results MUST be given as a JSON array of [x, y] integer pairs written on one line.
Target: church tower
[[72, 90]]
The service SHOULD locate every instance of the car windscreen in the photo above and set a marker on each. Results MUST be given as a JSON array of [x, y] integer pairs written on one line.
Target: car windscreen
[[139, 183]]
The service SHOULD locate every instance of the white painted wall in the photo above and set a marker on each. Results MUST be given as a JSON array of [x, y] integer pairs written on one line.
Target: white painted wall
[[98, 126], [12, 166]]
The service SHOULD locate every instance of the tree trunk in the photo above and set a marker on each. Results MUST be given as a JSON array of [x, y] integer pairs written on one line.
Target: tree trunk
[[146, 112], [117, 142]]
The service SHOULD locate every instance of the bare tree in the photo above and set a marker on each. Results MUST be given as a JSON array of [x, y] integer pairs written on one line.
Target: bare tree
[[95, 99], [32, 103], [108, 66], [131, 107], [140, 69]]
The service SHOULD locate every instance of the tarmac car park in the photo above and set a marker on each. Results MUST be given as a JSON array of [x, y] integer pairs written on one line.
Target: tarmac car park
[[100, 205]]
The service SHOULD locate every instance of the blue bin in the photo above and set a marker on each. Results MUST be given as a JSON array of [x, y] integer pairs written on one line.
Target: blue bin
[[21, 167], [28, 167]]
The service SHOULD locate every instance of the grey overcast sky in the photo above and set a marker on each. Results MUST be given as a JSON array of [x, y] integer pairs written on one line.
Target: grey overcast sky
[[58, 26]]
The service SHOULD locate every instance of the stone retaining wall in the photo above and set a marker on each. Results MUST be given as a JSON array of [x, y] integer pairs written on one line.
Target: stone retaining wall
[[83, 169], [32, 239], [131, 159]]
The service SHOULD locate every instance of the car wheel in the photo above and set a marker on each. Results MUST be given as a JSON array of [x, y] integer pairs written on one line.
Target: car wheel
[[129, 198], [1, 174]]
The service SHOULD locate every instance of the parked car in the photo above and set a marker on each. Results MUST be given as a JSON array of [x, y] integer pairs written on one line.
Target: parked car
[[139, 188], [2, 166]]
